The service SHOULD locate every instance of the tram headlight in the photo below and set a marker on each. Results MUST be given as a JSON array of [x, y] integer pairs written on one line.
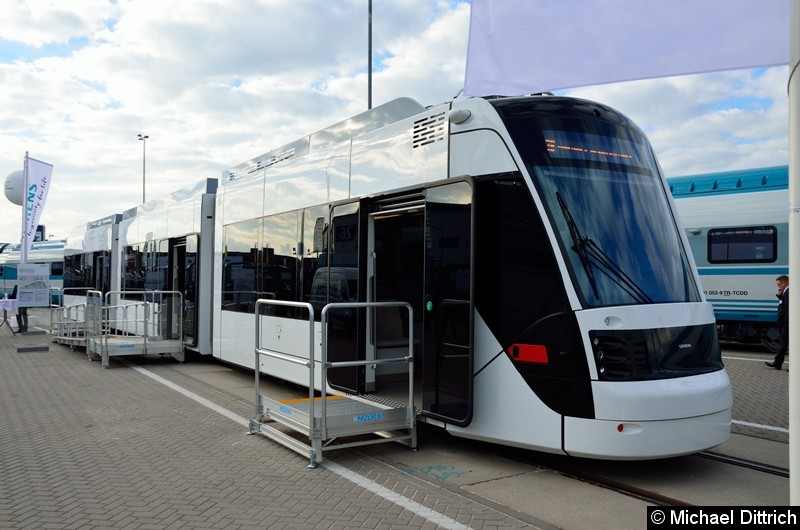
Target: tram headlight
[[601, 369], [599, 354]]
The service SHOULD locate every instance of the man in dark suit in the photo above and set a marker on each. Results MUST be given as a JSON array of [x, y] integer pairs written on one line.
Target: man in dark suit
[[22, 314], [782, 282]]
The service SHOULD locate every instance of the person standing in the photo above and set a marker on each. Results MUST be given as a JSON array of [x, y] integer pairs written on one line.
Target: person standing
[[22, 314], [782, 282]]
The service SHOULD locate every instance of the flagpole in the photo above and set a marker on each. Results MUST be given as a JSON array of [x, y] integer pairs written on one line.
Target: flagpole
[[794, 253], [369, 55], [23, 240]]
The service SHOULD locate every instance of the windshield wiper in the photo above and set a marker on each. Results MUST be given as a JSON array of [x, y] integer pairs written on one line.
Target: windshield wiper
[[577, 245], [592, 255]]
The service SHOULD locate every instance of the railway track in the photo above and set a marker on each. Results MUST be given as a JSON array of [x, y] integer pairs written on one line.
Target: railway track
[[750, 464], [597, 474]]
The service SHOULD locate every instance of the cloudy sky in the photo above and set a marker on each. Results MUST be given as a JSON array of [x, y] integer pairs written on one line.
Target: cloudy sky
[[214, 83]]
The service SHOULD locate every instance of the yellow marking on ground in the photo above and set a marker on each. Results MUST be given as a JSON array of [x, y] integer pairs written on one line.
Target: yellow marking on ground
[[305, 400]]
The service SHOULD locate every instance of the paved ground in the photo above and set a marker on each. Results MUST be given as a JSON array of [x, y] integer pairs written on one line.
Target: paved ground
[[760, 394], [85, 447]]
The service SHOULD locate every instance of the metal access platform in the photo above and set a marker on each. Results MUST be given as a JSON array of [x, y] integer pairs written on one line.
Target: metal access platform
[[134, 323], [68, 325], [339, 420], [68, 322]]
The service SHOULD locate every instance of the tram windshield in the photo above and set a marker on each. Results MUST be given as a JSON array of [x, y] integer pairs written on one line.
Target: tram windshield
[[601, 187]]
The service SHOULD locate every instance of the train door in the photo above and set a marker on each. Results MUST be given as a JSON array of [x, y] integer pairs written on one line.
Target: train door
[[102, 280], [420, 252], [337, 280], [183, 258]]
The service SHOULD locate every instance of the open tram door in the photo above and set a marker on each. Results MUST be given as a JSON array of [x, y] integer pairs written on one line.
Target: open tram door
[[102, 276], [183, 264], [420, 252]]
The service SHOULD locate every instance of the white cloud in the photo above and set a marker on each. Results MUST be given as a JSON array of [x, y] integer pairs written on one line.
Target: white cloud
[[39, 23], [215, 83]]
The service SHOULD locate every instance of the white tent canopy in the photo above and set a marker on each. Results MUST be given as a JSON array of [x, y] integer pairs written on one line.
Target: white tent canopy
[[528, 46]]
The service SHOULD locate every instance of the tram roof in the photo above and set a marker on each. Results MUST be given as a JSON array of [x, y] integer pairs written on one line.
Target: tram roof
[[370, 120]]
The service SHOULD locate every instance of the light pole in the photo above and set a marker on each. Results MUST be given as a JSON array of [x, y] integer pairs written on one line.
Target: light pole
[[143, 138]]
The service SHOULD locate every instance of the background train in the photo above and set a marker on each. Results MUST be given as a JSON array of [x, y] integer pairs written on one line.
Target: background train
[[737, 226], [522, 231], [49, 253]]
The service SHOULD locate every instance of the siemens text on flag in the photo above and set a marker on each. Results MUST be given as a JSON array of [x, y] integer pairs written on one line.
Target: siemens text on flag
[[528, 46]]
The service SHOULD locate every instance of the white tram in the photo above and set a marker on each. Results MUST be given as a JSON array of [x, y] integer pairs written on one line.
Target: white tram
[[91, 259], [556, 304], [155, 246]]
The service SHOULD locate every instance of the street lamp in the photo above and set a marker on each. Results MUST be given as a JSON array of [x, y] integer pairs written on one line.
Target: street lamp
[[143, 138]]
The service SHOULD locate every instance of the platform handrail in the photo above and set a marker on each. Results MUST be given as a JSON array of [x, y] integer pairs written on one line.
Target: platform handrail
[[144, 320], [408, 359], [63, 318], [309, 363], [318, 428], [72, 291], [150, 302]]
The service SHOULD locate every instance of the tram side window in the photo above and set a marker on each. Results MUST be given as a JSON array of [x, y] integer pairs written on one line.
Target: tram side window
[[278, 278], [78, 271], [753, 244], [241, 242], [156, 265], [133, 273], [150, 265], [315, 248], [260, 261], [336, 277]]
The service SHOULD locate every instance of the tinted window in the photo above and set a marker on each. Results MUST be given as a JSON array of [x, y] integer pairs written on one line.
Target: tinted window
[[239, 265], [755, 244]]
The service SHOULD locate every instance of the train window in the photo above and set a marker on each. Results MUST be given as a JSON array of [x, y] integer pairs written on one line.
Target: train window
[[134, 271], [277, 272], [748, 244], [241, 242], [77, 270], [315, 237], [157, 258]]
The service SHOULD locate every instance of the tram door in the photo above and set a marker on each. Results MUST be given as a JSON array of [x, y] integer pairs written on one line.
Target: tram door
[[420, 253], [102, 279], [183, 258]]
